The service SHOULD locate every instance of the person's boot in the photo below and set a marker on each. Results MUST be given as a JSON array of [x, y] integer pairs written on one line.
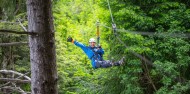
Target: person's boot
[[121, 62]]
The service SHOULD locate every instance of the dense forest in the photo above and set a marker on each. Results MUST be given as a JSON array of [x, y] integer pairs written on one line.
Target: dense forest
[[152, 35]]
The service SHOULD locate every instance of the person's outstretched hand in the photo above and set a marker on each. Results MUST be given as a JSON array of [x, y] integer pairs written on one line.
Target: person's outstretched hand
[[69, 39]]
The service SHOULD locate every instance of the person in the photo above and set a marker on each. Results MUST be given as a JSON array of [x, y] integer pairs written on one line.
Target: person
[[95, 54]]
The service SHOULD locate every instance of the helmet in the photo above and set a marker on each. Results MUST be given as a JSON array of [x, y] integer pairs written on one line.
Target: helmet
[[92, 40]]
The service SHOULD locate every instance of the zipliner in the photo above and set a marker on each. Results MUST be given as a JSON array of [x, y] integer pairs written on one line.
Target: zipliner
[[95, 54]]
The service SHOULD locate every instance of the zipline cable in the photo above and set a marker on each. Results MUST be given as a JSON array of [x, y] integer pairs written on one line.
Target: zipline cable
[[134, 53], [113, 23], [98, 34], [116, 35], [110, 11], [178, 35]]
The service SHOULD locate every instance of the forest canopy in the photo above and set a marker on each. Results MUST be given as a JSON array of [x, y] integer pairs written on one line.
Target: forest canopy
[[152, 35]]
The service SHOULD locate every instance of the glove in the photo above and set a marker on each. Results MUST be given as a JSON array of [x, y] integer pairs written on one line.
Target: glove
[[69, 39]]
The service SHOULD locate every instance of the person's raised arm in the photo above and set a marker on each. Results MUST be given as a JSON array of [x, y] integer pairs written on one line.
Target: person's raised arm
[[70, 39]]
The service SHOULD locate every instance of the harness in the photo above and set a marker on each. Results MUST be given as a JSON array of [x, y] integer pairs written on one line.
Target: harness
[[96, 54]]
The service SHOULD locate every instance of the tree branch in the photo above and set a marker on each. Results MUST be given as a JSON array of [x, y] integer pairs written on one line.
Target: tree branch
[[24, 28], [15, 89], [13, 44], [15, 32], [14, 80], [20, 74], [6, 22]]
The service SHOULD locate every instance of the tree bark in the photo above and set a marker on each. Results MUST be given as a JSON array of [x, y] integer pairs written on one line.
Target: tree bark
[[42, 47]]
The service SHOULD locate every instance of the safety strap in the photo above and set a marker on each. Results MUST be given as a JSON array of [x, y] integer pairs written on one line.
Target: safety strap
[[95, 56], [98, 34]]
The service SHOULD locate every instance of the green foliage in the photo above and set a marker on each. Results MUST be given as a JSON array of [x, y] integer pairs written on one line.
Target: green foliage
[[73, 18], [9, 9], [10, 12], [170, 55]]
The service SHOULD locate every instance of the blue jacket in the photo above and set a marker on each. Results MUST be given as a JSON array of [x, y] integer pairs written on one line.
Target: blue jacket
[[92, 53]]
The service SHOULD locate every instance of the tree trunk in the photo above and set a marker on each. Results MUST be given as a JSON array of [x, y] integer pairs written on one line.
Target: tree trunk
[[42, 47]]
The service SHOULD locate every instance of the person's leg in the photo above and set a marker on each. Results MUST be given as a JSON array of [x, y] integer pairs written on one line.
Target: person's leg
[[108, 63], [103, 64]]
